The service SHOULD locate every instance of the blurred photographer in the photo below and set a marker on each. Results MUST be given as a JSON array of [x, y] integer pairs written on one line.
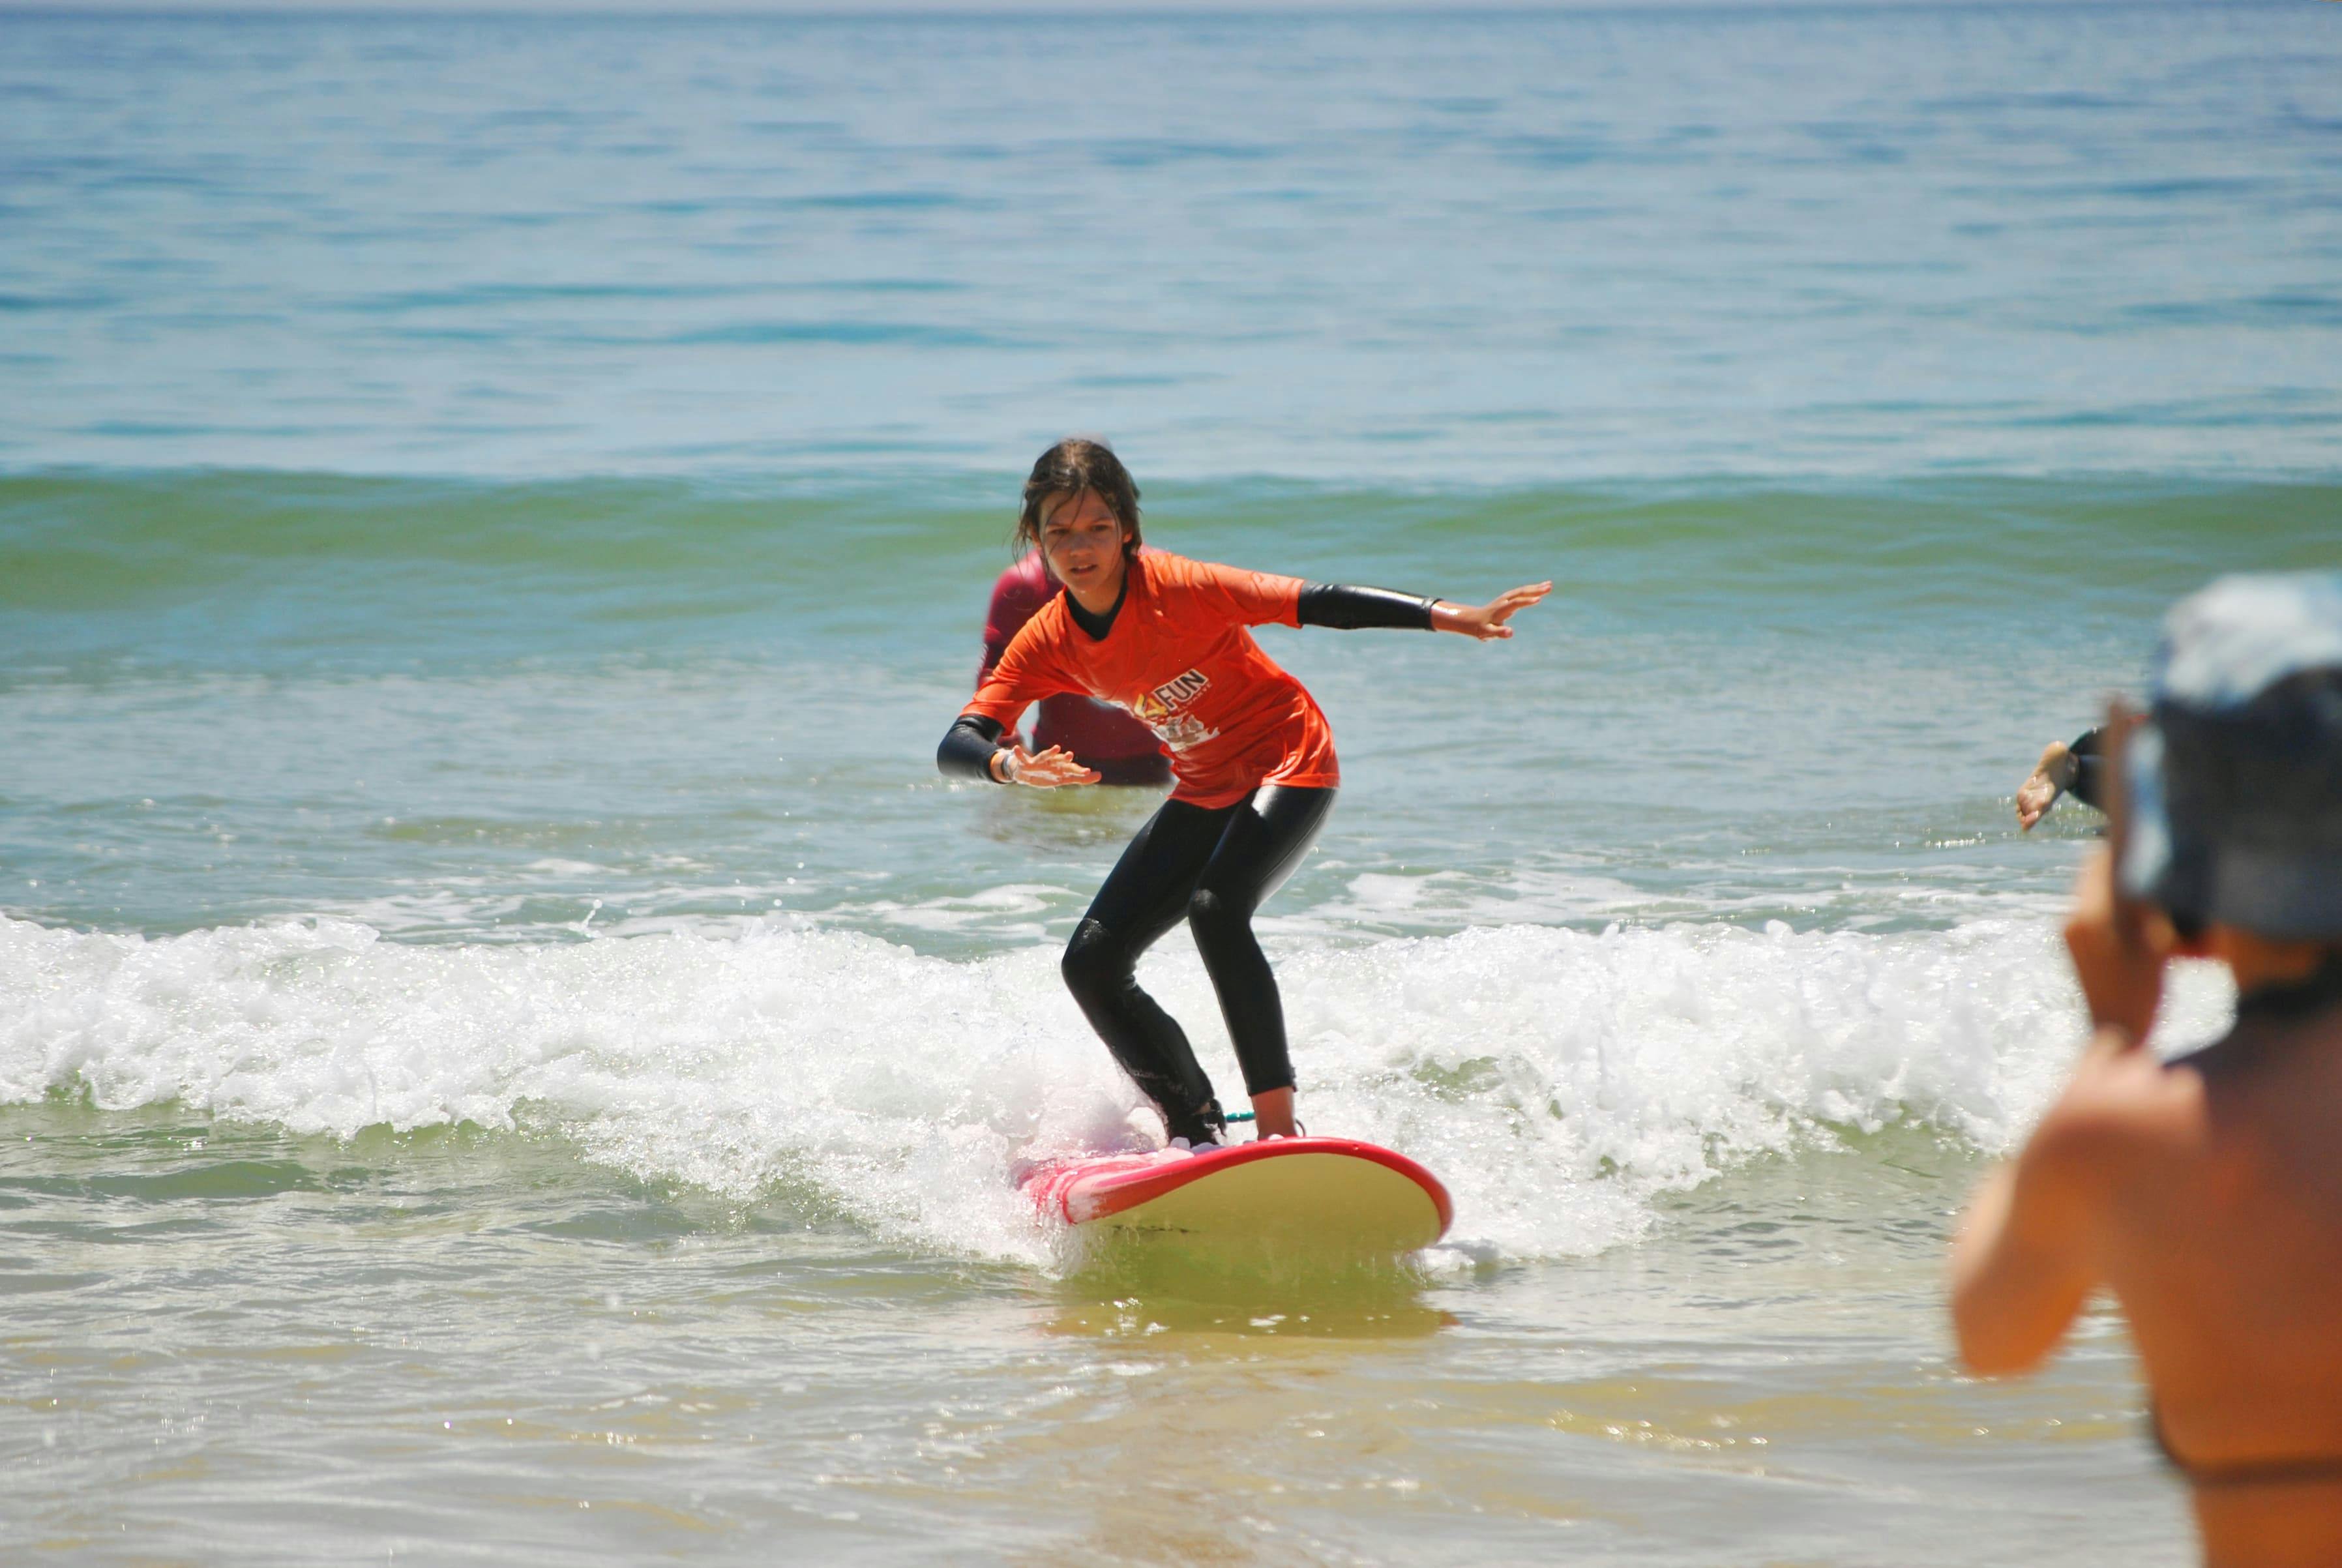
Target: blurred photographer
[[2206, 1192]]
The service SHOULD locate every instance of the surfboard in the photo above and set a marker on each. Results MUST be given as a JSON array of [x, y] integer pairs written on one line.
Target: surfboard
[[1333, 1192]]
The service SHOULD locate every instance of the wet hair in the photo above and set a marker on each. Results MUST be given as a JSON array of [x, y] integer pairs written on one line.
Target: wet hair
[[1073, 466]]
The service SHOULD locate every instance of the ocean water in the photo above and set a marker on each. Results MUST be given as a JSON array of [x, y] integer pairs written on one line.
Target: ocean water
[[508, 1050]]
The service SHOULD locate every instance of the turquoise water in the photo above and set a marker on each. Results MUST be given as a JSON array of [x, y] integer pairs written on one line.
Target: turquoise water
[[508, 1050]]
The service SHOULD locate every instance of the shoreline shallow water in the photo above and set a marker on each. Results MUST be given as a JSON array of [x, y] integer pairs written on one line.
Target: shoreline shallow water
[[706, 1292], [467, 1346]]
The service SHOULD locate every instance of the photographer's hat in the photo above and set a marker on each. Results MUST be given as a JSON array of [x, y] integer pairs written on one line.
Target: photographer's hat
[[2235, 778]]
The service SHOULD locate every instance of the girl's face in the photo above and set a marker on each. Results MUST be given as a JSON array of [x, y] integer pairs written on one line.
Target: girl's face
[[1081, 539]]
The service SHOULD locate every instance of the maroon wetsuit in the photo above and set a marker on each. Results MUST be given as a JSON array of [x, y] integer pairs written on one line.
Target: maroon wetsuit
[[1121, 750]]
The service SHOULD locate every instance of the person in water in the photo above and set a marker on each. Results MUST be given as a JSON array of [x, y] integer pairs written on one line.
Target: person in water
[[2206, 1192], [1108, 741], [2078, 769], [1253, 760]]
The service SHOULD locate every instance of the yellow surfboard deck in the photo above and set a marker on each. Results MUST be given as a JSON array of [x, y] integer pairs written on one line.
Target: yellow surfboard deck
[[1330, 1192]]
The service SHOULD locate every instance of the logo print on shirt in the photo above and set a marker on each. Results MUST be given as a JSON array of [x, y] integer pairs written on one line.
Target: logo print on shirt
[[1160, 710]]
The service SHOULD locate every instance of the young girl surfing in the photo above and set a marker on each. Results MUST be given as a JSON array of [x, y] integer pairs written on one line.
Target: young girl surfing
[[1252, 761]]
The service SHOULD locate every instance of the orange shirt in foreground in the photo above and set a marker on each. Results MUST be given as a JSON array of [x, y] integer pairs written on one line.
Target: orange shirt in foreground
[[1179, 657]]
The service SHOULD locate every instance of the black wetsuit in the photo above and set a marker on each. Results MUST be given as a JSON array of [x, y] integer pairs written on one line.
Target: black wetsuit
[[2089, 754], [1210, 866]]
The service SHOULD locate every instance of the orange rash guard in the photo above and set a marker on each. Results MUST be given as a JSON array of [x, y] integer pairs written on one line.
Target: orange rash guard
[[1179, 657]]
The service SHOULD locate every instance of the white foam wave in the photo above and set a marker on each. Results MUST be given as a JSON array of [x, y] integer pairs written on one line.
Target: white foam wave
[[1559, 1081]]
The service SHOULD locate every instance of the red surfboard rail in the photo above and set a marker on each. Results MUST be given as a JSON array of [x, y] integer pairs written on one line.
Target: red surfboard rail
[[1081, 1190]]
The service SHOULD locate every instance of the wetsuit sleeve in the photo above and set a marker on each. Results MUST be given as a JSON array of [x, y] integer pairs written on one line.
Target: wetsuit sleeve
[[967, 748], [1347, 608], [2090, 768]]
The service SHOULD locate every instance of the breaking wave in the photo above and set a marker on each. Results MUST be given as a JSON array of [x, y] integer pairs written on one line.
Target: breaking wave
[[1561, 1081]]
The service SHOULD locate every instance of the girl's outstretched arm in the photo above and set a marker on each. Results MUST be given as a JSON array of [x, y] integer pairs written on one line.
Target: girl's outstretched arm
[[1348, 608]]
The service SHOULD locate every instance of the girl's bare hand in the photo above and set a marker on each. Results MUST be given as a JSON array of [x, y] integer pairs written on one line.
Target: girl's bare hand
[[1045, 770], [1486, 622], [2035, 796]]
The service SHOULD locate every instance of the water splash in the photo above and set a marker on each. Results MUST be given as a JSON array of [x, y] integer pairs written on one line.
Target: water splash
[[1560, 1082]]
